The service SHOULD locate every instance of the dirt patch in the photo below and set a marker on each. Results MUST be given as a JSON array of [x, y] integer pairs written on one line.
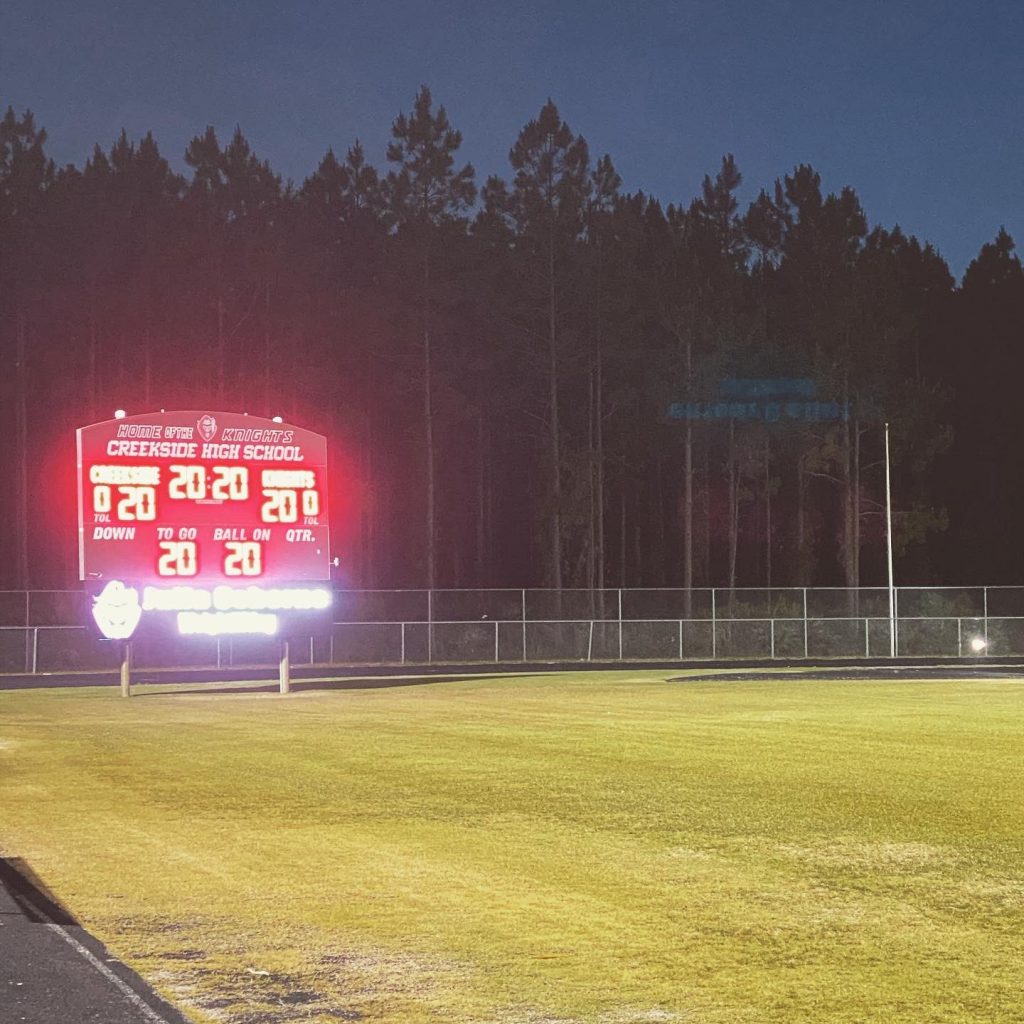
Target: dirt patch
[[298, 998]]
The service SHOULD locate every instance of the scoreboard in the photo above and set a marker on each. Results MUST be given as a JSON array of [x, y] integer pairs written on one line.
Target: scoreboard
[[207, 498]]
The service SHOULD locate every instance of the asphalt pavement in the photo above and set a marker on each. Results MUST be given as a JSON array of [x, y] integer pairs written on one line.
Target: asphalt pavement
[[52, 971]]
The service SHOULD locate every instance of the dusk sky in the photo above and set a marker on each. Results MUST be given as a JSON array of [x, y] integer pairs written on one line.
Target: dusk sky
[[918, 104]]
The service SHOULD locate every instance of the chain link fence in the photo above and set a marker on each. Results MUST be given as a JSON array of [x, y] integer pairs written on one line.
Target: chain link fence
[[43, 631]]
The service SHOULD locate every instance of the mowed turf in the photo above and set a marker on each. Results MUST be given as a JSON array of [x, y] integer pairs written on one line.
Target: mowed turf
[[603, 848]]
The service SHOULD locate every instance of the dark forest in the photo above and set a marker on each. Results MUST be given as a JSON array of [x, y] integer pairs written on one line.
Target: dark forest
[[494, 362]]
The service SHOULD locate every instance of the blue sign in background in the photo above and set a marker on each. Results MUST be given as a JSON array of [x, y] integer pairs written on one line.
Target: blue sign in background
[[768, 400]]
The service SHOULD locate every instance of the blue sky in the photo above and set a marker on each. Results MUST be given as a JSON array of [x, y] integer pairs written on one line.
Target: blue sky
[[918, 104]]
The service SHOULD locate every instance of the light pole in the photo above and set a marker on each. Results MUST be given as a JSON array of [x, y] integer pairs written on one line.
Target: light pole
[[888, 544]]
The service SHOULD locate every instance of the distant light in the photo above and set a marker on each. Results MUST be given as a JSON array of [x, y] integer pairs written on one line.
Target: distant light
[[277, 419], [119, 414], [978, 644]]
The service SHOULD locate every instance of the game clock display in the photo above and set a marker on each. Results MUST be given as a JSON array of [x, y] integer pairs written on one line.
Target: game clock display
[[202, 497]]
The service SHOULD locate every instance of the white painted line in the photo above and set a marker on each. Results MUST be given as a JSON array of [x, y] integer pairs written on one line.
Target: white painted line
[[126, 990]]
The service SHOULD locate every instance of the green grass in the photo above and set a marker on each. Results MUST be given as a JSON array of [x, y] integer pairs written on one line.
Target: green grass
[[599, 848]]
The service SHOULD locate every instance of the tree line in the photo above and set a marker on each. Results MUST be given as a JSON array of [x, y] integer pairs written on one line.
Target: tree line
[[496, 363]]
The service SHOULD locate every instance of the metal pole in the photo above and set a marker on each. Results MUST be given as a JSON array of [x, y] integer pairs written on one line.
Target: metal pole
[[805, 623], [284, 669], [523, 599], [430, 627], [495, 641], [126, 668], [680, 639], [620, 623], [35, 650], [896, 619], [888, 545], [985, 609], [714, 644], [403, 643]]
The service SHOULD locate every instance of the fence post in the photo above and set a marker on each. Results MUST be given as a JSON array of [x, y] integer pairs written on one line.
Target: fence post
[[985, 599], [403, 643], [35, 649], [714, 638], [867, 639], [959, 638], [895, 623], [620, 623], [680, 639], [27, 627], [430, 627], [806, 654], [590, 642], [524, 623], [495, 641], [771, 630]]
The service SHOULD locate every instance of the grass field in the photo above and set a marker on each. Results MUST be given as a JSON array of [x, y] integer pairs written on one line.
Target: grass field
[[602, 848]]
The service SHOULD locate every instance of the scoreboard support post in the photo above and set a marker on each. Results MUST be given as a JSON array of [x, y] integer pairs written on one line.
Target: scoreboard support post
[[126, 668], [284, 669]]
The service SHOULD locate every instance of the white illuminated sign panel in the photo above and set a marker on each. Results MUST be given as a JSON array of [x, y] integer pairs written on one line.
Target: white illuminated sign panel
[[118, 609]]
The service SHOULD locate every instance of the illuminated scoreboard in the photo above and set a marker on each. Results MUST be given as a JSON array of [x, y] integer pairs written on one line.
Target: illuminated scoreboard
[[207, 498]]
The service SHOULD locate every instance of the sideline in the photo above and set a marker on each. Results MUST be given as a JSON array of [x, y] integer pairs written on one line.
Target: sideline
[[129, 993], [852, 673], [361, 676]]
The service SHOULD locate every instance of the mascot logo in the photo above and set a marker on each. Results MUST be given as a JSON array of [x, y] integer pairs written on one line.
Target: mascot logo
[[117, 610], [207, 426]]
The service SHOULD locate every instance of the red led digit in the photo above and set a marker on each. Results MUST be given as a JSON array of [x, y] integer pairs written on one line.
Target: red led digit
[[230, 483], [177, 558], [310, 503], [281, 506], [136, 503], [243, 559], [187, 482]]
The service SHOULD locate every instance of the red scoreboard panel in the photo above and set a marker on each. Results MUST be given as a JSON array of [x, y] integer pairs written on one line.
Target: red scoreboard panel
[[211, 497]]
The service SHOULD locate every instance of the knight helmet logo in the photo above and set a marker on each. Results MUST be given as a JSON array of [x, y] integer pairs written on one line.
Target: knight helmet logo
[[207, 427], [117, 610]]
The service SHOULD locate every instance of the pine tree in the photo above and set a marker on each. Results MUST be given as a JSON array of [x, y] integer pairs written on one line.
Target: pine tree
[[428, 198], [26, 174], [547, 204]]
